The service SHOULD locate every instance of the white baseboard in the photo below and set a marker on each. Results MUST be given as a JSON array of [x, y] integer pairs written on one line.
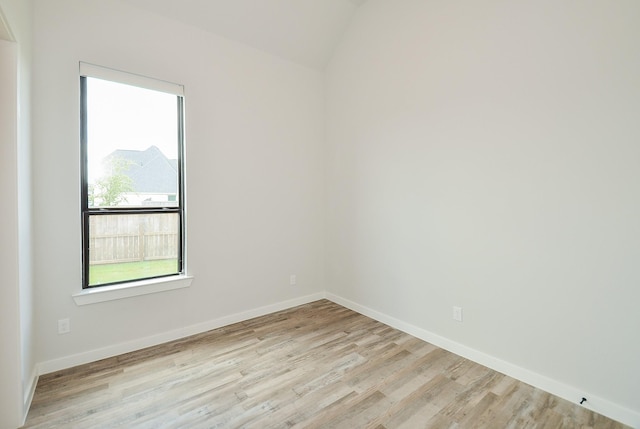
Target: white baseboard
[[176, 334], [570, 393], [28, 394]]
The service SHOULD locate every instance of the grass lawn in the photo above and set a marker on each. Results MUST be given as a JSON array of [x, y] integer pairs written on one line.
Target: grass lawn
[[110, 273]]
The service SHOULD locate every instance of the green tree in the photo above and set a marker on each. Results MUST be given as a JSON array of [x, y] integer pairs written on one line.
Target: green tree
[[111, 189]]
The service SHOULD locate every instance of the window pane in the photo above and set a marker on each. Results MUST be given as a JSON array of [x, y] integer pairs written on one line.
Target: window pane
[[132, 146], [126, 247]]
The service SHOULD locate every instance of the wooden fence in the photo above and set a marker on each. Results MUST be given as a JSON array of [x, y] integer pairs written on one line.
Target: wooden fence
[[130, 238]]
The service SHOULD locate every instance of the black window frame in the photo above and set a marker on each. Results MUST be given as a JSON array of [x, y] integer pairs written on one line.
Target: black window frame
[[87, 212]]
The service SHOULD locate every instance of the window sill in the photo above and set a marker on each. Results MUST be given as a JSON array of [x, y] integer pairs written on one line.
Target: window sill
[[128, 290]]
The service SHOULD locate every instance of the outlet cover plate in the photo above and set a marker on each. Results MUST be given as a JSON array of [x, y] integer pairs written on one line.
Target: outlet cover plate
[[64, 326]]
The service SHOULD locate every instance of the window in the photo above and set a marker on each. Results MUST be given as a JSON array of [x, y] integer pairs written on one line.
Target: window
[[132, 177]]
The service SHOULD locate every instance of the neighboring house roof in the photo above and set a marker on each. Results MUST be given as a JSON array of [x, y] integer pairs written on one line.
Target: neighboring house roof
[[150, 170]]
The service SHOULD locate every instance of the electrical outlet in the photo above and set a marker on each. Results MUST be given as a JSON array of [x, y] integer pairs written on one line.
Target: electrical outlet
[[293, 280], [457, 314], [64, 326]]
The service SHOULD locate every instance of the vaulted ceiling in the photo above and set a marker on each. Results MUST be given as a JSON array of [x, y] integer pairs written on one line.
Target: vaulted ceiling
[[303, 31]]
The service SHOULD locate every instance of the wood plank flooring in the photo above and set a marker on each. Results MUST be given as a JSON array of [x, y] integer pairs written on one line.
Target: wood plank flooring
[[319, 365]]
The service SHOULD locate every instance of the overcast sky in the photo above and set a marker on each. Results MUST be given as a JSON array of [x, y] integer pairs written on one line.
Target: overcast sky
[[126, 117]]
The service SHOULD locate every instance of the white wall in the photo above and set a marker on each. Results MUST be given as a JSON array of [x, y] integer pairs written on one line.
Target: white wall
[[485, 155], [17, 359], [9, 292], [23, 31], [254, 134]]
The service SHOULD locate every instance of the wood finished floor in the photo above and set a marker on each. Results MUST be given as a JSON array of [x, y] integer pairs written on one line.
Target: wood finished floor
[[319, 365]]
